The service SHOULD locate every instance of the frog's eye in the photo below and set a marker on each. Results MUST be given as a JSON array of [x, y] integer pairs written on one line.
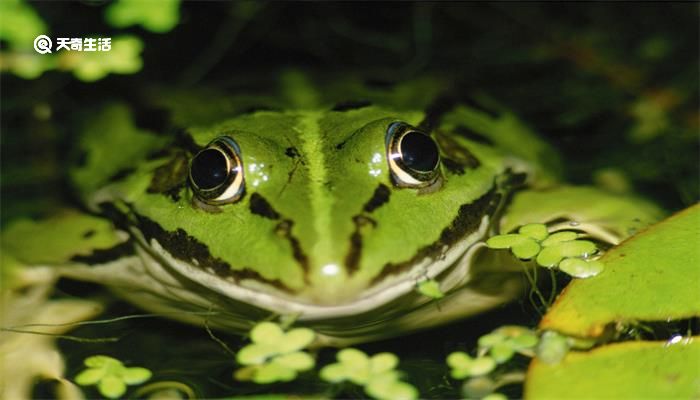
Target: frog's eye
[[216, 172], [414, 158]]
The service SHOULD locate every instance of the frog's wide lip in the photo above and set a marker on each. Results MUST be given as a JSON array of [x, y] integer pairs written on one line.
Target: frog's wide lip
[[450, 270]]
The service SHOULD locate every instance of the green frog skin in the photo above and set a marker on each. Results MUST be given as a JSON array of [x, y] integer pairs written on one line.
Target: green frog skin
[[327, 213]]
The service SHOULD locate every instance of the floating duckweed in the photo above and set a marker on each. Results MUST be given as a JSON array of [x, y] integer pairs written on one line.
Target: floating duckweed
[[523, 247], [535, 231], [464, 366], [533, 241], [504, 342], [274, 354], [552, 255], [581, 268], [559, 237], [376, 374], [110, 375], [495, 396]]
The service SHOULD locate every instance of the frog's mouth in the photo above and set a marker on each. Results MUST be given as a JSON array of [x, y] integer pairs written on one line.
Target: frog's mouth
[[451, 270]]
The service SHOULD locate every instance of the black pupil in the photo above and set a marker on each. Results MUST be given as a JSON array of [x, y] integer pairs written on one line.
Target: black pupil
[[208, 169], [419, 152]]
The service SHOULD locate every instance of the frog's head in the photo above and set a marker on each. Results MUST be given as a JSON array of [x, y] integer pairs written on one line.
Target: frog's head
[[316, 211]]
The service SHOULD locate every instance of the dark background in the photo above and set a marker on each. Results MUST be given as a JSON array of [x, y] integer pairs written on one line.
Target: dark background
[[573, 71]]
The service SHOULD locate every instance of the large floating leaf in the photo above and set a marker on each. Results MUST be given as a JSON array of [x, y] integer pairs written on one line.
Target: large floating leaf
[[630, 370], [653, 276]]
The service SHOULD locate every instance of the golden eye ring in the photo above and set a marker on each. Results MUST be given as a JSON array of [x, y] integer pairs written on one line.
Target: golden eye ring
[[413, 156], [216, 172]]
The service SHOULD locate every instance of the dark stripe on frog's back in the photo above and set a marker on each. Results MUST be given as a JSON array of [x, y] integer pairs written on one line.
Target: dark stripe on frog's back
[[184, 247], [260, 206], [467, 220], [379, 198]]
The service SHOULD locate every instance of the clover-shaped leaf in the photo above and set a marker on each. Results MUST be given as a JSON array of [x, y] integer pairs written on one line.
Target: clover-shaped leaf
[[551, 255], [464, 366], [274, 354], [110, 375], [524, 244], [560, 248], [523, 247], [534, 231], [430, 288], [505, 341], [386, 387], [581, 268], [156, 16], [270, 340], [377, 374]]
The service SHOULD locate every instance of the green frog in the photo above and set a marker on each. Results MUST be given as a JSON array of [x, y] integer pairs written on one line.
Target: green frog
[[327, 204]]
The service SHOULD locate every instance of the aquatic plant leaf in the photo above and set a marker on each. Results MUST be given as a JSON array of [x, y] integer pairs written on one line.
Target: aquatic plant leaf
[[296, 339], [463, 365], [273, 372], [535, 231], [156, 16], [636, 369], [298, 361], [111, 386], [646, 278], [123, 58], [255, 354], [110, 375], [266, 333], [522, 246], [580, 268], [559, 237], [383, 362], [391, 388], [551, 256]]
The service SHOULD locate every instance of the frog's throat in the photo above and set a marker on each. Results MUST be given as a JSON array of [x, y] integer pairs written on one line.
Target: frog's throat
[[451, 270]]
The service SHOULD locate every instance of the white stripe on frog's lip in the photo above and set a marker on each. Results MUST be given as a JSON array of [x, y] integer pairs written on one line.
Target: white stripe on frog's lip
[[279, 302]]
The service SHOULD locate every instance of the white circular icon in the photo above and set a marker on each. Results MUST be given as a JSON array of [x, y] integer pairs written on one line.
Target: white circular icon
[[42, 44]]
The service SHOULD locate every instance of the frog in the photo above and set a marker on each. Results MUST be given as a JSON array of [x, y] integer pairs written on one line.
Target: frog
[[325, 204]]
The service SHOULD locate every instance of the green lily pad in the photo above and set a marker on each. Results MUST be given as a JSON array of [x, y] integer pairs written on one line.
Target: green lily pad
[[646, 278], [620, 216], [629, 370]]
